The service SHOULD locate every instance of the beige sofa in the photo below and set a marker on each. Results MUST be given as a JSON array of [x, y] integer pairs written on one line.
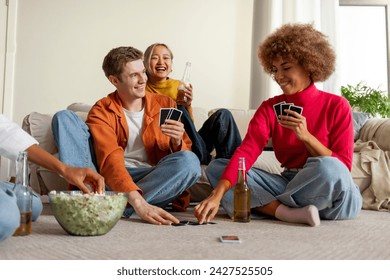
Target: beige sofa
[[43, 181]]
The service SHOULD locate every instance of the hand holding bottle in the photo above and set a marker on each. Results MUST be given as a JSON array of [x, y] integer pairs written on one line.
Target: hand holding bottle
[[184, 95]]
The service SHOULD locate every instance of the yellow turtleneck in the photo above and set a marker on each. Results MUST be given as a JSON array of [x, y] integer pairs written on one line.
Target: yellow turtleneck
[[169, 88]]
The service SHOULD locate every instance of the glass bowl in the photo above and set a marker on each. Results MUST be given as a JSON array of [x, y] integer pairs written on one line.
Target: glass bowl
[[87, 214]]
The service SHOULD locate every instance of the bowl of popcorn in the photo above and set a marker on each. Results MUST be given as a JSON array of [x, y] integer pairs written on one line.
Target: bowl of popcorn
[[87, 214]]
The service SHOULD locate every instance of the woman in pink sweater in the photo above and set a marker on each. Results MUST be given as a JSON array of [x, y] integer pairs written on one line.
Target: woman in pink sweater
[[313, 141]]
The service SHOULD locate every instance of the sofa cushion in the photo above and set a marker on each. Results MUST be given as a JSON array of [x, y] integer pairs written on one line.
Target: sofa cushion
[[39, 126], [200, 116], [79, 107], [359, 119], [241, 117], [377, 130]]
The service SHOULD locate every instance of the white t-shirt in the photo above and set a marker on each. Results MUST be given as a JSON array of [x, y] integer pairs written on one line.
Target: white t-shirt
[[135, 153], [13, 139]]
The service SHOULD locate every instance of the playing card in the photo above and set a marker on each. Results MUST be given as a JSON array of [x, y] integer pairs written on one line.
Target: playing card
[[164, 114], [278, 109], [285, 106], [297, 109], [169, 113], [191, 223], [175, 114], [181, 223]]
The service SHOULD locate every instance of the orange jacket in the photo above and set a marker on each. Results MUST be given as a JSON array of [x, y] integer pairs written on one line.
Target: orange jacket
[[107, 123]]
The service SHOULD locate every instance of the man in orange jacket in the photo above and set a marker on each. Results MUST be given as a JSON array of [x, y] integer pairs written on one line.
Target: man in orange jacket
[[153, 163]]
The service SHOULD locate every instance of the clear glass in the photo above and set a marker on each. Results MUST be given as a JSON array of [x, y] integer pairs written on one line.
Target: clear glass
[[23, 194], [242, 195]]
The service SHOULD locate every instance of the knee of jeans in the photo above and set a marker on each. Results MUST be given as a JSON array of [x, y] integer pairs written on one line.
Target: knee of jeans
[[191, 161], [63, 115], [215, 169], [328, 167], [223, 113]]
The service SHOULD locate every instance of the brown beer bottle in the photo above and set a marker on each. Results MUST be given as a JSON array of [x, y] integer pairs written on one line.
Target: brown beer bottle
[[242, 195]]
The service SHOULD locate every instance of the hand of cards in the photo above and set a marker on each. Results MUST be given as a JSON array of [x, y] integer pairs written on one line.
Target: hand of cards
[[281, 106], [170, 114]]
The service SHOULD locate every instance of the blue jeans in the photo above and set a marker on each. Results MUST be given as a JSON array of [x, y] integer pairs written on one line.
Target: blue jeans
[[324, 182], [9, 211], [160, 184], [219, 132]]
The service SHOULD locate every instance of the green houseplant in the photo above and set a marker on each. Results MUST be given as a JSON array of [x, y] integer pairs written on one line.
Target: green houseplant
[[367, 99]]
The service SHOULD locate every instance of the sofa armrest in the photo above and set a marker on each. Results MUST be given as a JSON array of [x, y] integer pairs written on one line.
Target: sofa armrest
[[377, 130]]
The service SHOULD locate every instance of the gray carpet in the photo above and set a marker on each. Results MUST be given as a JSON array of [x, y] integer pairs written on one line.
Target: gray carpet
[[366, 237]]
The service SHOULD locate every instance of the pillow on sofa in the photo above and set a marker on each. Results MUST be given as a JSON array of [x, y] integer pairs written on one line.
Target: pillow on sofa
[[377, 130], [79, 107], [359, 119], [242, 118], [39, 126]]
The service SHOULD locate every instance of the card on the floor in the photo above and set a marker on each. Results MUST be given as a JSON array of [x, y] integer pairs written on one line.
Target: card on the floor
[[181, 223], [191, 223], [170, 114]]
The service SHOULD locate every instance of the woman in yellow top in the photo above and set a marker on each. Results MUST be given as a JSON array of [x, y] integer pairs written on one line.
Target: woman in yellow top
[[218, 132]]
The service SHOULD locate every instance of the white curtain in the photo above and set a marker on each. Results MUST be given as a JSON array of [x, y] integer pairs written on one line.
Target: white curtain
[[268, 15]]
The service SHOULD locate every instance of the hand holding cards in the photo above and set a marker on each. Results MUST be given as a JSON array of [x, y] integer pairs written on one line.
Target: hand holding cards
[[170, 114], [280, 108]]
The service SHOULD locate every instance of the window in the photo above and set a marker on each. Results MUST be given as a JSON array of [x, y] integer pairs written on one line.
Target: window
[[364, 43]]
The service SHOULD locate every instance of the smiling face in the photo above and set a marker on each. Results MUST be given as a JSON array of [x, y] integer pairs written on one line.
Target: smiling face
[[160, 64], [131, 83], [290, 76]]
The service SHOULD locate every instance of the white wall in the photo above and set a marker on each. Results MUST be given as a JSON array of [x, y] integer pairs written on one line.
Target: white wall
[[61, 45]]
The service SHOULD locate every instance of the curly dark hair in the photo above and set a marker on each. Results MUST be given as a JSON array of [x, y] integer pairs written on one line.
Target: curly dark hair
[[299, 43]]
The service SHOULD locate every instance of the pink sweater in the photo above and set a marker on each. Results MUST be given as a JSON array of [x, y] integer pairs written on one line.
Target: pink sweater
[[328, 118]]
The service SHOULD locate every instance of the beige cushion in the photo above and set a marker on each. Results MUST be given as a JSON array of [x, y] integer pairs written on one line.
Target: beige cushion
[[241, 117], [377, 130], [39, 126], [79, 107], [200, 116]]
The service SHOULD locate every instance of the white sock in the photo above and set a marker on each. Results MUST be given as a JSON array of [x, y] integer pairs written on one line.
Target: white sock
[[305, 215]]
